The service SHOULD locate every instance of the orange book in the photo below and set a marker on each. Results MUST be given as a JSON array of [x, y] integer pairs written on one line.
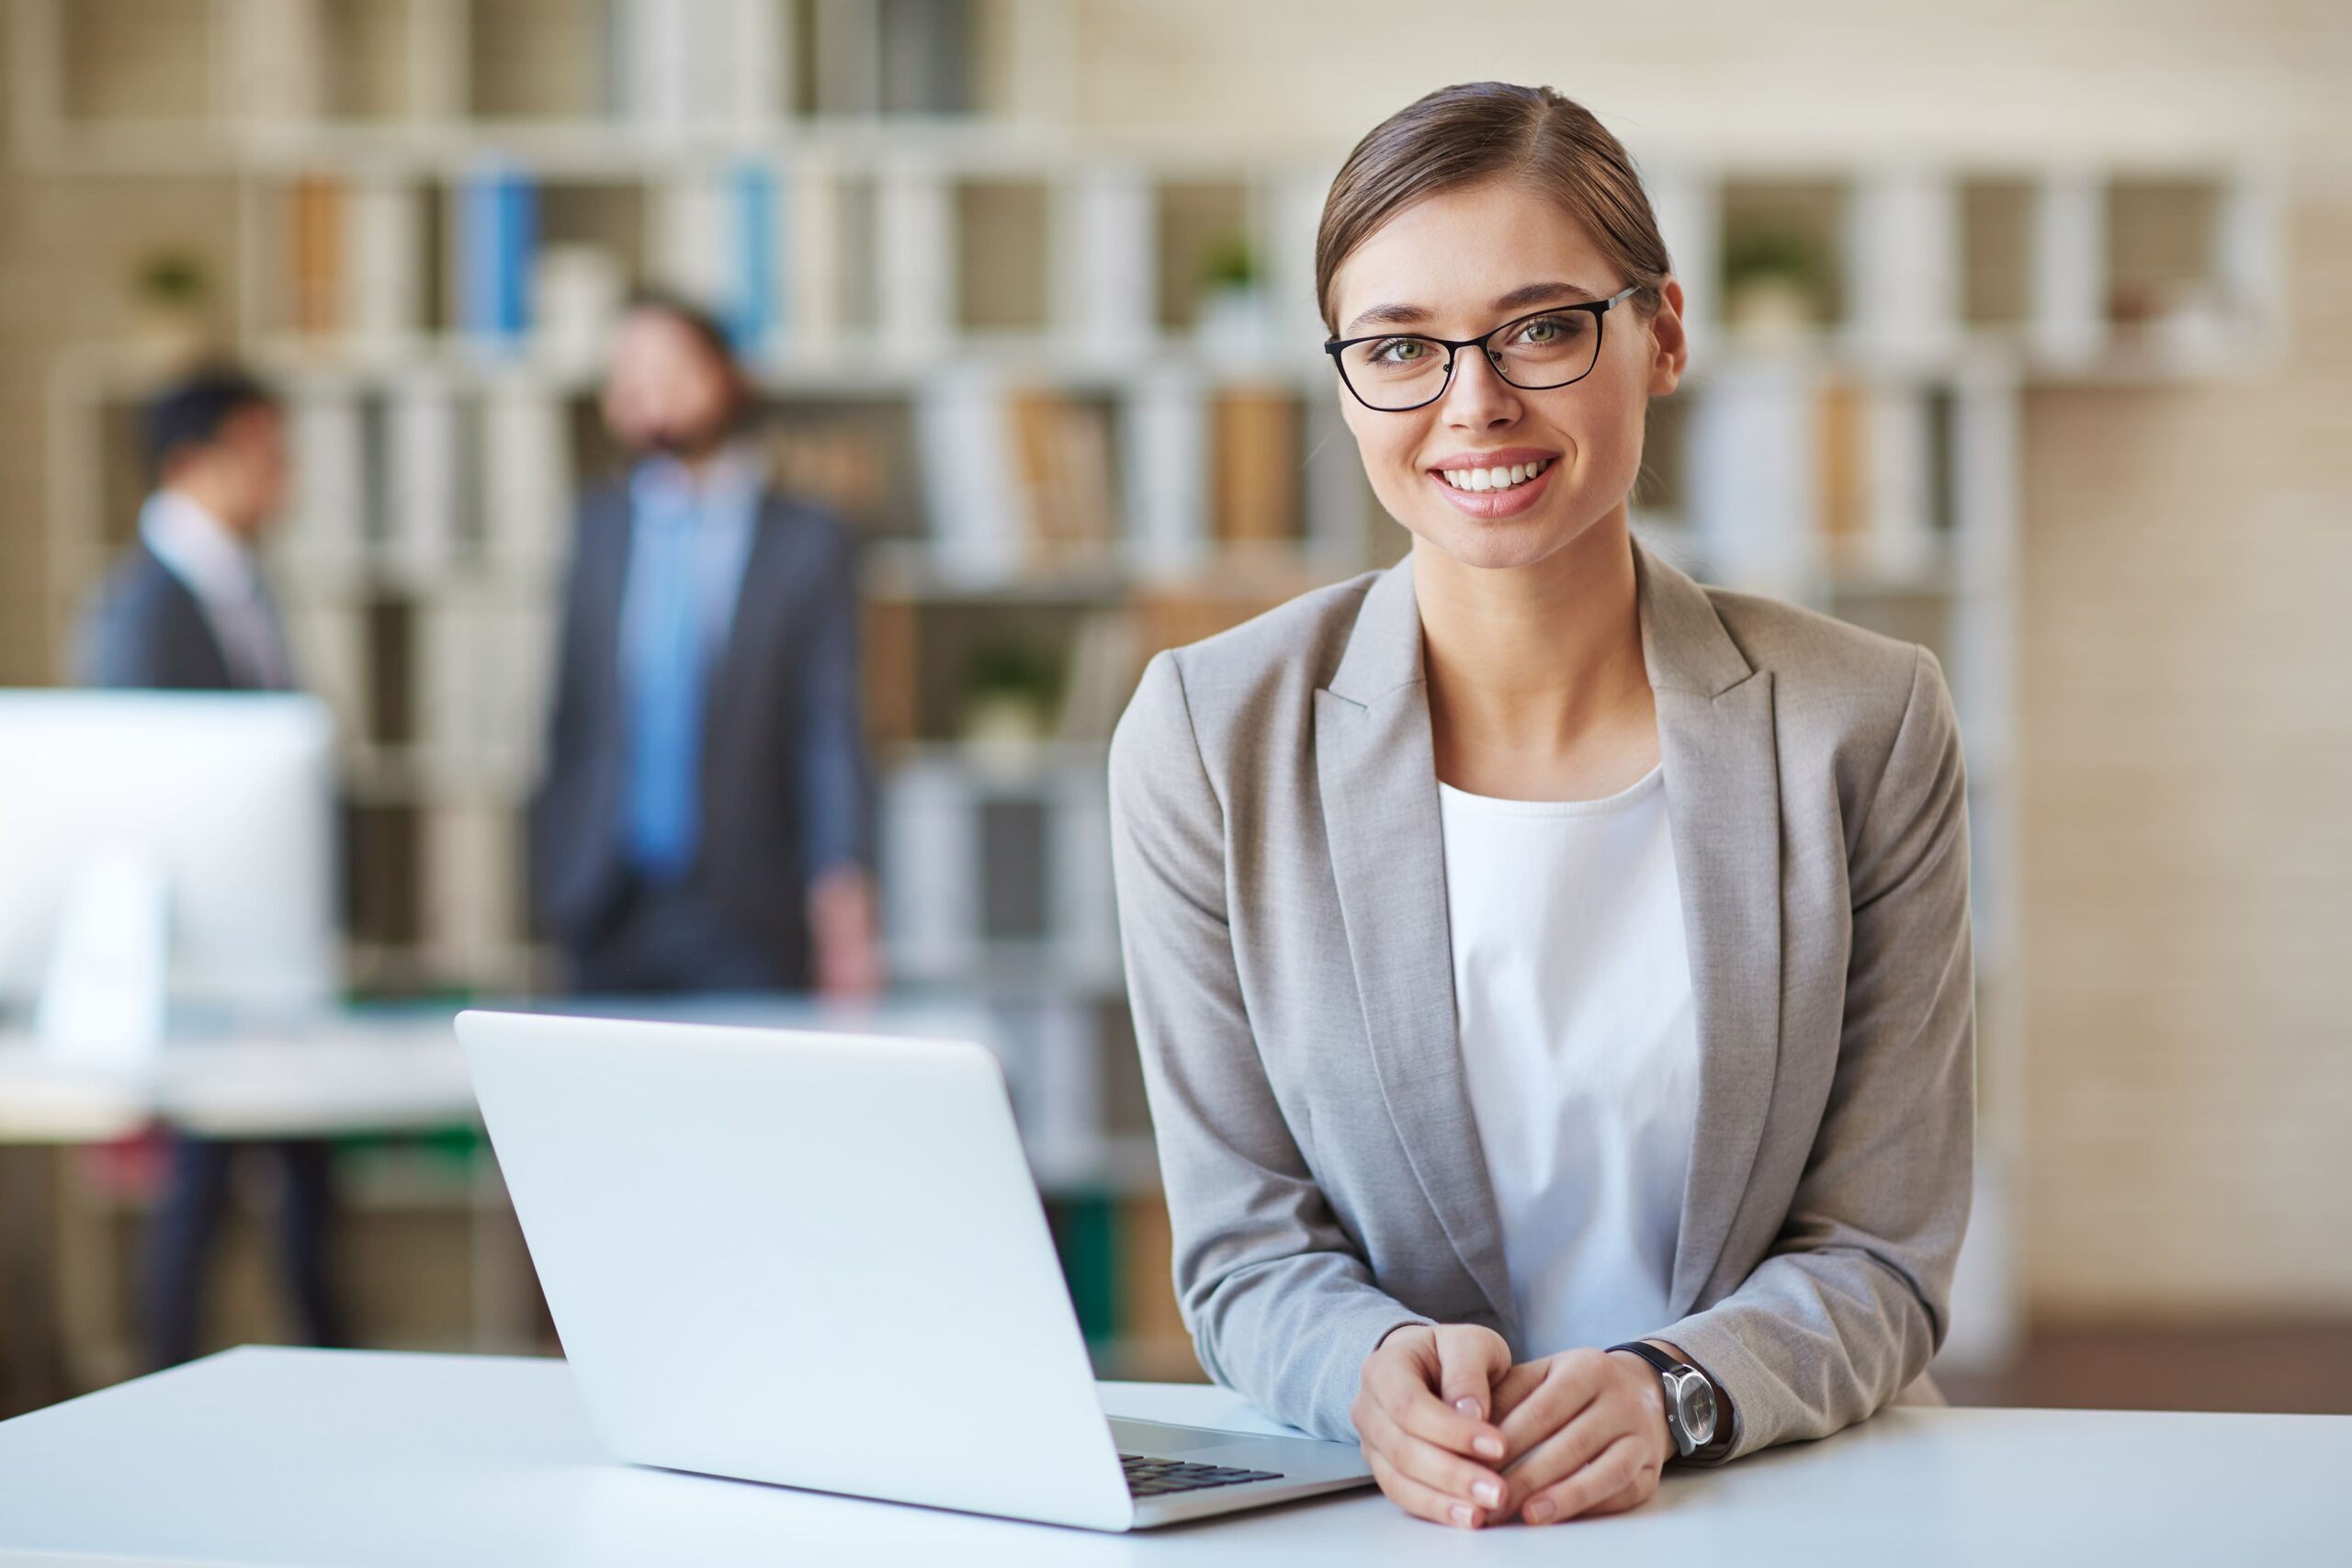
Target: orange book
[[1844, 417], [318, 256], [1256, 484]]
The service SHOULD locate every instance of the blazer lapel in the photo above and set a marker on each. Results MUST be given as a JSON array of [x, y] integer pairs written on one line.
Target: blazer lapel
[[761, 597], [1715, 734], [1377, 771]]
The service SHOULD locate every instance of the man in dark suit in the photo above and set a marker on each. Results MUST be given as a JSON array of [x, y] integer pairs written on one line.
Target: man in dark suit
[[186, 608], [704, 822]]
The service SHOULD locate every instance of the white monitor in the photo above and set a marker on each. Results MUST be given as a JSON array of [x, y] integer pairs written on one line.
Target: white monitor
[[229, 796]]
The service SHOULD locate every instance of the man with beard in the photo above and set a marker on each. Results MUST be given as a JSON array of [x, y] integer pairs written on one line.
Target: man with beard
[[704, 820]]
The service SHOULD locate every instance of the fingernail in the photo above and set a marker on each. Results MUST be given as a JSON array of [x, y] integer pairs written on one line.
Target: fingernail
[[1541, 1510], [1462, 1512], [1491, 1447], [1486, 1491], [1469, 1407]]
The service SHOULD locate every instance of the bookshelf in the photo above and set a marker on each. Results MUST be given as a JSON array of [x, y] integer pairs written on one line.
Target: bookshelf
[[1072, 395]]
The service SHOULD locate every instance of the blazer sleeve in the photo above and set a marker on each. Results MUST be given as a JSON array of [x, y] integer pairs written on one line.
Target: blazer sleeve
[[836, 797], [1281, 1305], [1853, 1300]]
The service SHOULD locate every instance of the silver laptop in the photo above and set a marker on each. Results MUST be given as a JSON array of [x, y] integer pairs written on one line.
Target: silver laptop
[[819, 1260]]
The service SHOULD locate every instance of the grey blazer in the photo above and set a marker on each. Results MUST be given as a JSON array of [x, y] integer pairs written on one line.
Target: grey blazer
[[1281, 903]]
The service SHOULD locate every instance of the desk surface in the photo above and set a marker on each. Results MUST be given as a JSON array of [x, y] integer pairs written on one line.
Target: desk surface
[[377, 1069], [365, 1458]]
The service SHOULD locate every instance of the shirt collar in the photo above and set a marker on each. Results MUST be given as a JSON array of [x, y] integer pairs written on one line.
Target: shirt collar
[[731, 481], [198, 548]]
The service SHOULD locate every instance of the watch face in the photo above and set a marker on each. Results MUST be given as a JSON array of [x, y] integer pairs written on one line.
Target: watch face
[[1697, 1398]]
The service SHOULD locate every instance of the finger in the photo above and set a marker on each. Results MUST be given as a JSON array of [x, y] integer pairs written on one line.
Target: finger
[[1436, 1467], [1424, 1502], [1623, 1463], [1400, 1387], [1564, 1452], [1571, 1382], [1469, 1361], [1513, 1387]]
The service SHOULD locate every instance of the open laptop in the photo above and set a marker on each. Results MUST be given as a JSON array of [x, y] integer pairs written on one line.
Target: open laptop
[[819, 1260]]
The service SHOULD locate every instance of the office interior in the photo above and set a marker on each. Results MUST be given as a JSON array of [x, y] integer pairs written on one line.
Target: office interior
[[2022, 332]]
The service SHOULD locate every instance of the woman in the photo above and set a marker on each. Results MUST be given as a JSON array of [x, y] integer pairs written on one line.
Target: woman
[[1553, 978]]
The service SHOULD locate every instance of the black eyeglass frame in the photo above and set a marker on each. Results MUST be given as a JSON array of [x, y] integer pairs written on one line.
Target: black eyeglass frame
[[1598, 309]]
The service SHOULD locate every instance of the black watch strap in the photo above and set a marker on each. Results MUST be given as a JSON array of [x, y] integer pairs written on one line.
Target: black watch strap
[[1654, 1356]]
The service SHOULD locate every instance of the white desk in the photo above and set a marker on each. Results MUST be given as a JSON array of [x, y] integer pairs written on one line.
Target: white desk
[[325, 1458]]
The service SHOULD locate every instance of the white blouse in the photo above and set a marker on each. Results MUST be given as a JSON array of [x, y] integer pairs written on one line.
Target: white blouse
[[1580, 1048]]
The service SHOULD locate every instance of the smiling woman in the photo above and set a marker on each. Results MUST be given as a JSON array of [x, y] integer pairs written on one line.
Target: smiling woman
[[1552, 976]]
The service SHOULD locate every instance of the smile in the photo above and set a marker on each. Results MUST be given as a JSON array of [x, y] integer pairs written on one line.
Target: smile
[[1506, 478]]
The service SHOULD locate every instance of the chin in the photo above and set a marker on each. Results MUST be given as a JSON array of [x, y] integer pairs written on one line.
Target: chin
[[1499, 545]]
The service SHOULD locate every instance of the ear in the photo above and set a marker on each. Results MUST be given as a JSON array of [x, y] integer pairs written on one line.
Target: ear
[[1669, 343]]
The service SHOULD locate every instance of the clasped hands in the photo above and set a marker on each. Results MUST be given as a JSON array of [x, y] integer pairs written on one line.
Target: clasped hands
[[1454, 1433]]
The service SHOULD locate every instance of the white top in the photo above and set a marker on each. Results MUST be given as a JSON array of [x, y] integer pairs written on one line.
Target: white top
[[364, 1459], [218, 568], [1572, 997]]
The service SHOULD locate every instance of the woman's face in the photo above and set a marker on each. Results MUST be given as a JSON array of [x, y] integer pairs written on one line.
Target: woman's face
[[1468, 261]]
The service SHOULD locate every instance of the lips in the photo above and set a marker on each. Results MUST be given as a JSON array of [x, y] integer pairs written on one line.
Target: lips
[[1490, 503]]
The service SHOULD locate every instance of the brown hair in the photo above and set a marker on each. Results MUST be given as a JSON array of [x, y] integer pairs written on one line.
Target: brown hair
[[1475, 131]]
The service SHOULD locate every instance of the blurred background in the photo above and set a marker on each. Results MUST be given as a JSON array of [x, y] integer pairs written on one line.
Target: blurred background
[[2023, 331]]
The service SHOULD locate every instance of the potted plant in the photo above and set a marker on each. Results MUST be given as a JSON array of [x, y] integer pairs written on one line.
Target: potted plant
[[1775, 283]]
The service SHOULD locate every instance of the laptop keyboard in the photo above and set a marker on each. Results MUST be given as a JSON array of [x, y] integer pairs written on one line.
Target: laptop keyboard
[[1149, 1477]]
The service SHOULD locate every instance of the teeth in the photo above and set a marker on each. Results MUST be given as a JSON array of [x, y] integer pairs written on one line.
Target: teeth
[[1477, 480]]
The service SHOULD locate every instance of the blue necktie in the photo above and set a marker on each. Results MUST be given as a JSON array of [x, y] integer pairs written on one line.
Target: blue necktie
[[666, 699]]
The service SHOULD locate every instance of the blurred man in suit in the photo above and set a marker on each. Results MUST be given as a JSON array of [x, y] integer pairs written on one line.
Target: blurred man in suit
[[704, 822], [186, 608]]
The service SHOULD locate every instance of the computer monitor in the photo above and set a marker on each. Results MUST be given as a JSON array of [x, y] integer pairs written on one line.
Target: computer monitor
[[229, 796]]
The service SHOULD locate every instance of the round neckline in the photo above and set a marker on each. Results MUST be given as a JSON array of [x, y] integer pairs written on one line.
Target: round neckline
[[1499, 805]]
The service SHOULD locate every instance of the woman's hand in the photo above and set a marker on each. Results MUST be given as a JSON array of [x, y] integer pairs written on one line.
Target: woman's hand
[[1423, 1405], [1584, 1433]]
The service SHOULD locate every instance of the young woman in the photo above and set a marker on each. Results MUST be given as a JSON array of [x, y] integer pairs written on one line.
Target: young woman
[[1552, 976]]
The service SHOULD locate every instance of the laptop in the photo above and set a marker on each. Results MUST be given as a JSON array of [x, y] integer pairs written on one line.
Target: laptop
[[819, 1260]]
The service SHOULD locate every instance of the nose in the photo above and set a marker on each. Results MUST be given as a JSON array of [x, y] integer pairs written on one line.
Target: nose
[[1478, 398]]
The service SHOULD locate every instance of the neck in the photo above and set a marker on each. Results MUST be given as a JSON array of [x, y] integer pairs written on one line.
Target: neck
[[1532, 660], [217, 506]]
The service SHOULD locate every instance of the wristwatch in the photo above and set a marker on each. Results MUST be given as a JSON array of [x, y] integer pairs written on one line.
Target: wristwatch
[[1690, 1403]]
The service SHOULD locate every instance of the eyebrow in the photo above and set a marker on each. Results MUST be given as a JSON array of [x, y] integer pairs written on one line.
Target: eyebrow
[[1528, 295]]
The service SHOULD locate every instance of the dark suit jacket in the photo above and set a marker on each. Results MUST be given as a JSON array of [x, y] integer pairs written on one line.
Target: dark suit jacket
[[784, 786], [146, 630]]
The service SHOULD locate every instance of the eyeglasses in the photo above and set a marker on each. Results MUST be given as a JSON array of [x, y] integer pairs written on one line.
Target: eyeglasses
[[1395, 372]]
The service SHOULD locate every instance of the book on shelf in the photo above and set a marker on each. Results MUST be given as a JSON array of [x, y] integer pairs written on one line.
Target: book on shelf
[[1878, 480], [1164, 437], [470, 894], [319, 220], [483, 666], [1062, 465], [525, 475], [968, 472], [497, 242], [384, 261], [577, 293], [1258, 493], [424, 475], [327, 526]]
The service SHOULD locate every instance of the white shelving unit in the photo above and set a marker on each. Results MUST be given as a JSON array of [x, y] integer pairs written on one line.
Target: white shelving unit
[[1866, 462]]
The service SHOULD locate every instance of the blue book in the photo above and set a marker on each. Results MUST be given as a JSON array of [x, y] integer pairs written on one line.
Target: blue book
[[498, 240], [754, 307]]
